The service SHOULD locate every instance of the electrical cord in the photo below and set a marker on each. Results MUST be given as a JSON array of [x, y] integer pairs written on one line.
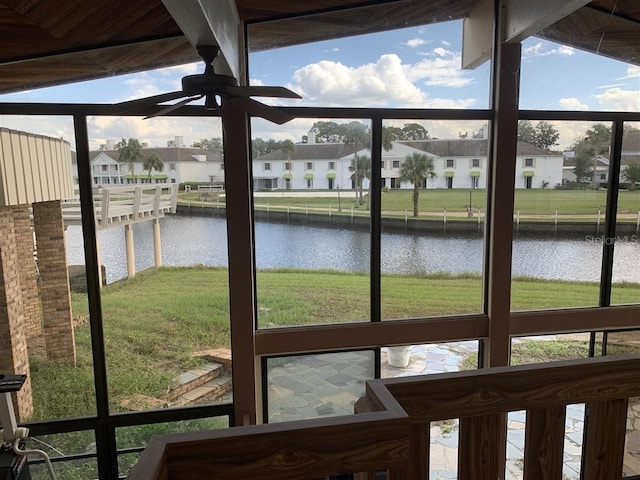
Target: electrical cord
[[40, 453]]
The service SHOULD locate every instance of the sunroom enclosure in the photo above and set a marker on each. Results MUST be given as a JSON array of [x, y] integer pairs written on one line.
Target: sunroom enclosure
[[496, 323]]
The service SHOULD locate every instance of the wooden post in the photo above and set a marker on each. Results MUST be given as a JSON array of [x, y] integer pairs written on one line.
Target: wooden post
[[131, 257], [157, 245]]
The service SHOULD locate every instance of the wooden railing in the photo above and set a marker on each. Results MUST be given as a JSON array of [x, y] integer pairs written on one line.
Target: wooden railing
[[391, 431], [126, 204]]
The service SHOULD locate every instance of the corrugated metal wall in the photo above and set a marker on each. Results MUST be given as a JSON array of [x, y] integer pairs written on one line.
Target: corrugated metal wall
[[33, 168]]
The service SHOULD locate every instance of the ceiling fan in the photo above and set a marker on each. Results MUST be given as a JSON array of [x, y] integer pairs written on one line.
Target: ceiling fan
[[210, 85]]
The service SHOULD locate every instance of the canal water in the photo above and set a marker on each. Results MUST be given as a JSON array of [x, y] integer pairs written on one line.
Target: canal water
[[190, 241]]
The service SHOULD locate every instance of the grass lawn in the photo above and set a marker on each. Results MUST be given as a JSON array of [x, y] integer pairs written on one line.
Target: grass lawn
[[154, 322], [528, 202]]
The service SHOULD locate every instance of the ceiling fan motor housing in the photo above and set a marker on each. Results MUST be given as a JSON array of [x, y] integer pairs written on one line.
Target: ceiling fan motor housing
[[207, 82]]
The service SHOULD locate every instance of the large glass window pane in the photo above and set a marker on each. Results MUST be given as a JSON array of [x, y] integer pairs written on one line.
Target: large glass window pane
[[604, 83], [626, 257], [165, 300], [312, 221], [412, 59], [434, 179], [316, 385], [559, 214], [45, 332]]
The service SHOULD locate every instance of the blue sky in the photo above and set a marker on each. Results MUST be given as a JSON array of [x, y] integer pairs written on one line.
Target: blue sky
[[413, 67]]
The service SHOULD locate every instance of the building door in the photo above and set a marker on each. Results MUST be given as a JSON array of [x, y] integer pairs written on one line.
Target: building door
[[449, 182], [528, 182], [330, 180]]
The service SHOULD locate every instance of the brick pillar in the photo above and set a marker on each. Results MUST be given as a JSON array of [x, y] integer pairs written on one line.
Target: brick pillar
[[24, 244], [54, 282], [14, 357]]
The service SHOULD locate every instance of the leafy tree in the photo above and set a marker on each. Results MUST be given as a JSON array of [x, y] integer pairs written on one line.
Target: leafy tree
[[414, 131], [213, 145], [361, 169], [261, 147], [326, 132], [631, 175], [599, 136], [129, 151], [543, 135], [153, 162], [584, 159], [526, 132], [415, 168], [546, 135]]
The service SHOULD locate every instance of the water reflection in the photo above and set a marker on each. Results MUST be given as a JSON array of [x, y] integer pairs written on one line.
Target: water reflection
[[197, 240]]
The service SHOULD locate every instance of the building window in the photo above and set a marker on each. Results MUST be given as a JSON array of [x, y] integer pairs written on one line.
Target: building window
[[332, 165], [449, 163], [309, 166], [528, 162], [603, 176], [475, 163], [222, 167], [103, 168], [172, 167], [395, 164], [288, 166], [266, 166]]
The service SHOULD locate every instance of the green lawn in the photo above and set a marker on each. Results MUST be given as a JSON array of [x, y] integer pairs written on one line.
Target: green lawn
[[528, 202], [153, 323]]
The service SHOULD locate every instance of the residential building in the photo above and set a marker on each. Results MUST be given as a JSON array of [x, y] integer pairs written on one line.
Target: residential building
[[181, 165], [458, 163]]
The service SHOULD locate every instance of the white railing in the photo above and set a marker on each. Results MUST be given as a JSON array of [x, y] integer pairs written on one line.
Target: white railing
[[121, 205]]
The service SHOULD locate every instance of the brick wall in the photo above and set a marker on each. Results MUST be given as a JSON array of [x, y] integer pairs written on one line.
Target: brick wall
[[24, 244], [14, 357], [54, 282]]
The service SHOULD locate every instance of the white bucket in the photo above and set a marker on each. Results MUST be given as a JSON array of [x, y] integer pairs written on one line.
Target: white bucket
[[399, 356]]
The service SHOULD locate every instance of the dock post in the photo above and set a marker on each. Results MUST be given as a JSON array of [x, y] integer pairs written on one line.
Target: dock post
[[157, 246], [131, 260]]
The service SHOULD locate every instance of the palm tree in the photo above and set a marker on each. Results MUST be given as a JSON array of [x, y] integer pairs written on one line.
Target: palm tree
[[130, 152], [152, 162], [287, 147], [361, 169], [415, 168]]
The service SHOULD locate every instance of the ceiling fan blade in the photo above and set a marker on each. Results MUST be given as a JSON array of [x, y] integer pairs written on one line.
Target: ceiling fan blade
[[262, 91], [175, 106], [148, 101], [257, 109]]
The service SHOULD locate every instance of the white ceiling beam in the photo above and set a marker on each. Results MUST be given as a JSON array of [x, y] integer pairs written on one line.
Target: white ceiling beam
[[477, 35], [212, 22], [522, 18]]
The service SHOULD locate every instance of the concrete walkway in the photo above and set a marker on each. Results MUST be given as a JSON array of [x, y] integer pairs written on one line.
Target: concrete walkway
[[316, 385]]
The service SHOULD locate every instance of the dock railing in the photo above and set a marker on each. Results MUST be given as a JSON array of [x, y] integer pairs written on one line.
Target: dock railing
[[391, 431], [126, 204]]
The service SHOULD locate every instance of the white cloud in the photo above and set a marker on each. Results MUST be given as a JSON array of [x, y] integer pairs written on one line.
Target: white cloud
[[335, 49], [445, 43], [544, 49], [415, 42], [572, 103], [439, 51], [633, 71], [387, 82], [620, 100]]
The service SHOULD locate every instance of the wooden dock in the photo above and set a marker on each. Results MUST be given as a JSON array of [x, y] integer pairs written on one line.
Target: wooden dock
[[125, 204]]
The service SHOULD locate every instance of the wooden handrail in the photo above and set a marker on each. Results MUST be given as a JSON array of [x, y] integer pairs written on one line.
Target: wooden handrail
[[391, 431]]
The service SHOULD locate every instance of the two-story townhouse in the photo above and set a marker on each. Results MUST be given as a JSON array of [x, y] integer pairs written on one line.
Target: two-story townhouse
[[319, 166], [180, 165]]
